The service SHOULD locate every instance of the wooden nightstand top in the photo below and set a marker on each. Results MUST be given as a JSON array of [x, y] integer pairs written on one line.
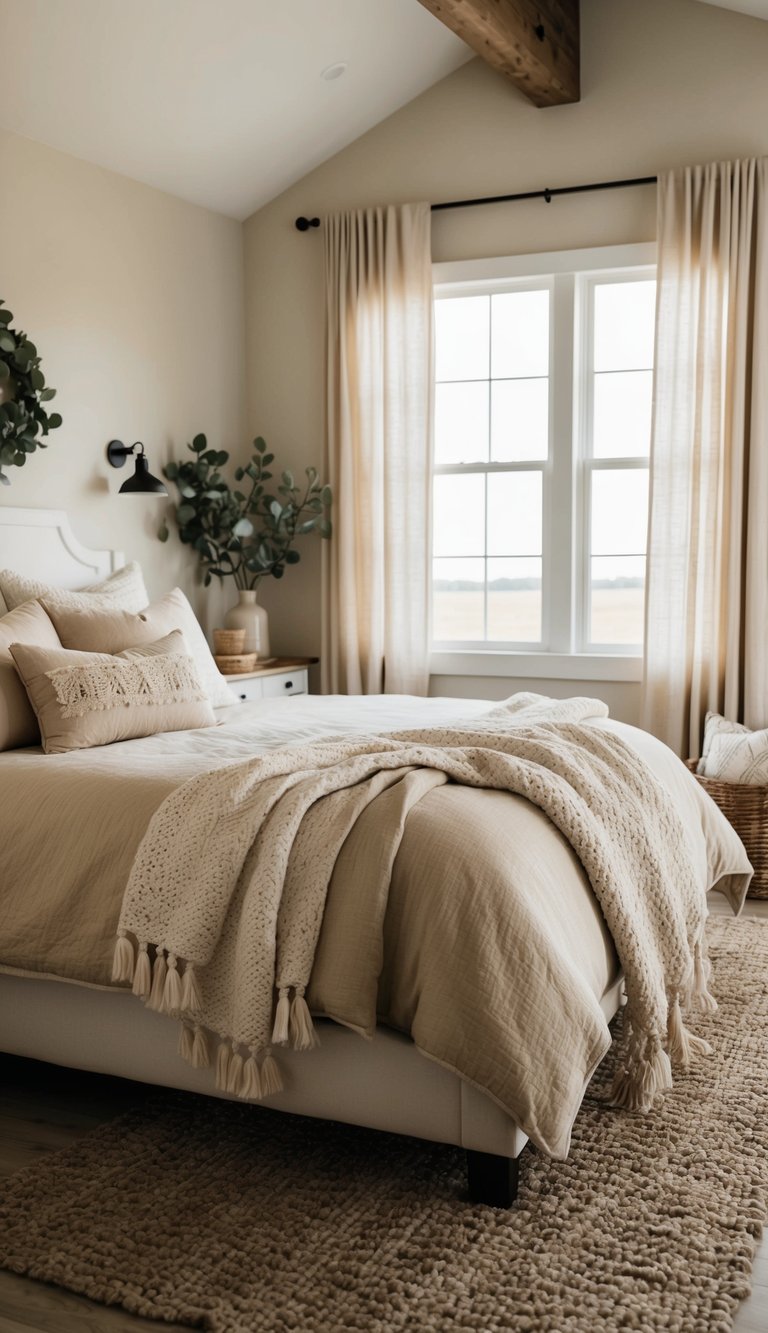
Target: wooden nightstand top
[[273, 666]]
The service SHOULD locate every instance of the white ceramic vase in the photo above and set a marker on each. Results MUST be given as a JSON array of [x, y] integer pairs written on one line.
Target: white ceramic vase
[[251, 617]]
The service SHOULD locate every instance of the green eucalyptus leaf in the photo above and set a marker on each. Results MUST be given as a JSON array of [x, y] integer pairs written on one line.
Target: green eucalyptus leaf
[[163, 532], [46, 395], [199, 444], [326, 528], [292, 557], [54, 421], [260, 444], [185, 514], [7, 341]]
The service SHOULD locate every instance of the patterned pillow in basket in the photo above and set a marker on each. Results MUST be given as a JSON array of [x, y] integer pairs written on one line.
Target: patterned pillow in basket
[[733, 753]]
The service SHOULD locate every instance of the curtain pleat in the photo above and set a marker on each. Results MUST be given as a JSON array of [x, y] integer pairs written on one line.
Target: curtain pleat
[[707, 582], [379, 396]]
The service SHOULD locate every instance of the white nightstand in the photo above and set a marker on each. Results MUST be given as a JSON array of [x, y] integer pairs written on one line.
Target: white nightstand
[[279, 678]]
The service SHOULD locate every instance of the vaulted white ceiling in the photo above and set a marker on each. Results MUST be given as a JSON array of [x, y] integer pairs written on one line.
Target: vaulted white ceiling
[[221, 102]]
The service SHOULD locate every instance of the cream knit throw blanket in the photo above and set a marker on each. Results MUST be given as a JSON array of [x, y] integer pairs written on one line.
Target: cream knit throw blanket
[[230, 881]]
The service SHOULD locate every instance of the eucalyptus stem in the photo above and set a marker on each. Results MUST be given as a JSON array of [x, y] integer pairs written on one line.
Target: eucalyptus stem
[[245, 536]]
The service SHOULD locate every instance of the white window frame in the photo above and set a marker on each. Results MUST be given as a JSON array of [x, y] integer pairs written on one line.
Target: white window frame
[[570, 275]]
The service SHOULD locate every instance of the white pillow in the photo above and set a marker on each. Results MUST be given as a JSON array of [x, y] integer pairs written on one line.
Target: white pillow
[[716, 725], [99, 629], [124, 590], [739, 758]]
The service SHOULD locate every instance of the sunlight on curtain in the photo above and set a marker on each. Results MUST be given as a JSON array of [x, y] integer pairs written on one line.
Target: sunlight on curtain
[[378, 272], [707, 592]]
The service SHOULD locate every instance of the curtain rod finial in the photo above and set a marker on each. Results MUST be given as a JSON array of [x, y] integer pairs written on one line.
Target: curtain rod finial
[[304, 224]]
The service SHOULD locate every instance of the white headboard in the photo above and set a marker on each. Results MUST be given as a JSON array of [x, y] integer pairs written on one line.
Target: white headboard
[[40, 544]]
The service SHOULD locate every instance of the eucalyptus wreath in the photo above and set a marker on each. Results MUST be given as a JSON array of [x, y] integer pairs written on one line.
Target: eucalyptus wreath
[[248, 532], [22, 393]]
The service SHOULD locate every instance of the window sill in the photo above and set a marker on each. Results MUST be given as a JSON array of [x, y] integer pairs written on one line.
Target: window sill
[[544, 666]]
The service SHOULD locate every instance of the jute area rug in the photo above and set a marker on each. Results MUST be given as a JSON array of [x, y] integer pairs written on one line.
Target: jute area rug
[[228, 1218]]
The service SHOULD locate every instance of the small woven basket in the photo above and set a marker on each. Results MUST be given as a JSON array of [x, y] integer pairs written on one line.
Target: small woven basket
[[234, 664], [228, 642], [746, 808]]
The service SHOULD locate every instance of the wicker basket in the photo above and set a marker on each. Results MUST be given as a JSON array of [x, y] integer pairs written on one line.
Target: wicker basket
[[234, 664], [746, 808], [228, 642]]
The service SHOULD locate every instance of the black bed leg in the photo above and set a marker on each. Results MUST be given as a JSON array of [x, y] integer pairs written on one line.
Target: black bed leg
[[492, 1179]]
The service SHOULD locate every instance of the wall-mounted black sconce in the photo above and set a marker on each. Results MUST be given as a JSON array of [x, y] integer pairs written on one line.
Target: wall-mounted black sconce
[[142, 479]]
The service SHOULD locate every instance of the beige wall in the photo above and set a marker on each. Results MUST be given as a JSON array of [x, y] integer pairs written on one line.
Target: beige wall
[[135, 302], [664, 82]]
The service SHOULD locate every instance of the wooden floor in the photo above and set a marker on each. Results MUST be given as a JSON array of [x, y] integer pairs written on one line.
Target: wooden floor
[[43, 1108]]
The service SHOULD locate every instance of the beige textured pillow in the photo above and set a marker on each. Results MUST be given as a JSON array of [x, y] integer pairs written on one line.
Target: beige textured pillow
[[124, 589], [87, 699], [734, 757], [717, 725], [94, 630], [28, 624]]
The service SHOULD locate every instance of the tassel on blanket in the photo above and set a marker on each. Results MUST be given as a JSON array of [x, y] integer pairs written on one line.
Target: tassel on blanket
[[282, 1018], [222, 1066], [172, 988], [303, 1035], [142, 979], [186, 1043], [201, 1051], [639, 1080], [159, 970], [123, 961], [191, 999], [682, 1045], [699, 995], [235, 1072], [271, 1082], [250, 1085]]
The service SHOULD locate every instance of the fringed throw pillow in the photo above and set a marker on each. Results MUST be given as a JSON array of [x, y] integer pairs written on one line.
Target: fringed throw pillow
[[100, 630], [88, 699]]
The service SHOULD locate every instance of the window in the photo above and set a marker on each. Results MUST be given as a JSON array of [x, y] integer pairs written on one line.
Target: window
[[544, 369]]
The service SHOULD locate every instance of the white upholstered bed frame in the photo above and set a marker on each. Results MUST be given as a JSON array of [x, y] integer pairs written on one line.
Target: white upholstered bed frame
[[382, 1084]]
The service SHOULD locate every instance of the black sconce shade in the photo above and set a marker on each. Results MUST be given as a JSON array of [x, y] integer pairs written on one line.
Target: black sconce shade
[[142, 479]]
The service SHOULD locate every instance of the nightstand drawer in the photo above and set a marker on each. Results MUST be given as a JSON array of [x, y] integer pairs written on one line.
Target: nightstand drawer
[[245, 690], [287, 683]]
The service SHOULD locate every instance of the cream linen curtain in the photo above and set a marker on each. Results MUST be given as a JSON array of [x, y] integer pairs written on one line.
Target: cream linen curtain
[[707, 594], [378, 274]]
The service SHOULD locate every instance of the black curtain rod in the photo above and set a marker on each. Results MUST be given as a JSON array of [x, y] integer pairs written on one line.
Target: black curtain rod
[[304, 224]]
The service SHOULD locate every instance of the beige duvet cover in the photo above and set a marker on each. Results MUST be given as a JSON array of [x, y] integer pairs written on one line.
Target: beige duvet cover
[[71, 826]]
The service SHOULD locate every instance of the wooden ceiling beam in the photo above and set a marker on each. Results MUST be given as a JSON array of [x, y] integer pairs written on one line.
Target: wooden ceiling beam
[[536, 45]]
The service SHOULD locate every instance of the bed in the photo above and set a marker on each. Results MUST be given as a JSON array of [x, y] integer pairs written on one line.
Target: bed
[[385, 1083]]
